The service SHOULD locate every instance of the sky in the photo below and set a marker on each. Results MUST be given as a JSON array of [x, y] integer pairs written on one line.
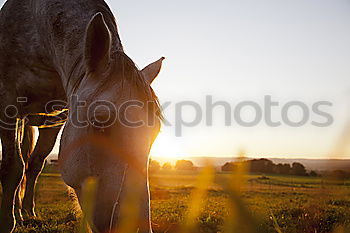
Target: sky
[[244, 50]]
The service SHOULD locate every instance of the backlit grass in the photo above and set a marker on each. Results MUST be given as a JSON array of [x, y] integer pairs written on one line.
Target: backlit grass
[[298, 204]]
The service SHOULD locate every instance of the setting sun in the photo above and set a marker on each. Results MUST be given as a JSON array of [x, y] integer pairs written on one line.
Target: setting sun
[[167, 147]]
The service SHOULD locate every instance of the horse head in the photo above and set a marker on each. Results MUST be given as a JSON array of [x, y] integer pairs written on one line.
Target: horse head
[[112, 124]]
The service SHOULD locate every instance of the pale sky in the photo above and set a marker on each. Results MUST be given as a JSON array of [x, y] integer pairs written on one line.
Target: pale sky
[[237, 50]]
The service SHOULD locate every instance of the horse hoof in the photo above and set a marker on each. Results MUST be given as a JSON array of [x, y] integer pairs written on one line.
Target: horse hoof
[[27, 215], [19, 216]]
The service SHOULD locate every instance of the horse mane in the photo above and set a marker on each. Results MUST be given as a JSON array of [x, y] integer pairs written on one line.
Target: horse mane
[[122, 67]]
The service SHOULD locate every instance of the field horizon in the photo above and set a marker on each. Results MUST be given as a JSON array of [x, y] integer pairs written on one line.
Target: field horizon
[[217, 161]]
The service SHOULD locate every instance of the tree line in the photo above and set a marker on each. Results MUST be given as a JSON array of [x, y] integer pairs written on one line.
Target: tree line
[[181, 165], [268, 167], [264, 166]]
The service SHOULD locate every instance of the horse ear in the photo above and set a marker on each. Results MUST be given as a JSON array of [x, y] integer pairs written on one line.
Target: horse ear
[[151, 71], [97, 44]]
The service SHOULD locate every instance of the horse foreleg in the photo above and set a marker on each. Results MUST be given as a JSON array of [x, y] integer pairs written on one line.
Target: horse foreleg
[[12, 169], [44, 145], [18, 201], [27, 147]]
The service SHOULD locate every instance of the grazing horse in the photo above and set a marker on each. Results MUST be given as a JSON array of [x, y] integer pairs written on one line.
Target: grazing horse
[[58, 55]]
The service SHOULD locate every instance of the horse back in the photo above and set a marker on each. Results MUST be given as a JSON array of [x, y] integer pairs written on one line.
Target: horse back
[[39, 43]]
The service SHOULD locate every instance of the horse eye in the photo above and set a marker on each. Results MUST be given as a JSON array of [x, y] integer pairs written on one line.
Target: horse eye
[[102, 121], [100, 126]]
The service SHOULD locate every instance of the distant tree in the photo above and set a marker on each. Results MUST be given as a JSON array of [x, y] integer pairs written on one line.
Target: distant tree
[[298, 169], [154, 166], [313, 174], [167, 166], [261, 166], [227, 167], [184, 165], [283, 169]]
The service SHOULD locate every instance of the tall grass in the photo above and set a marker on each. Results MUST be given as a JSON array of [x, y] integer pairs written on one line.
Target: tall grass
[[239, 217]]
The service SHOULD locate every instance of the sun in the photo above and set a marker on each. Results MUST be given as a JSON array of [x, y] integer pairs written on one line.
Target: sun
[[167, 147]]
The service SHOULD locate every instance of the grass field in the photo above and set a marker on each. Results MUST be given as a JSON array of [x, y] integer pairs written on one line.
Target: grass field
[[264, 204]]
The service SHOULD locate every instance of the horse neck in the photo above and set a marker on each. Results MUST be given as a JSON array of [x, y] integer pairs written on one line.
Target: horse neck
[[76, 73]]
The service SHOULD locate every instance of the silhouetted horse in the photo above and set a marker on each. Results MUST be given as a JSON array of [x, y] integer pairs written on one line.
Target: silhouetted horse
[[66, 54]]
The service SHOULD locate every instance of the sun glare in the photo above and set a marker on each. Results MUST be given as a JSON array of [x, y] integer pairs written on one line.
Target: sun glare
[[167, 147]]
